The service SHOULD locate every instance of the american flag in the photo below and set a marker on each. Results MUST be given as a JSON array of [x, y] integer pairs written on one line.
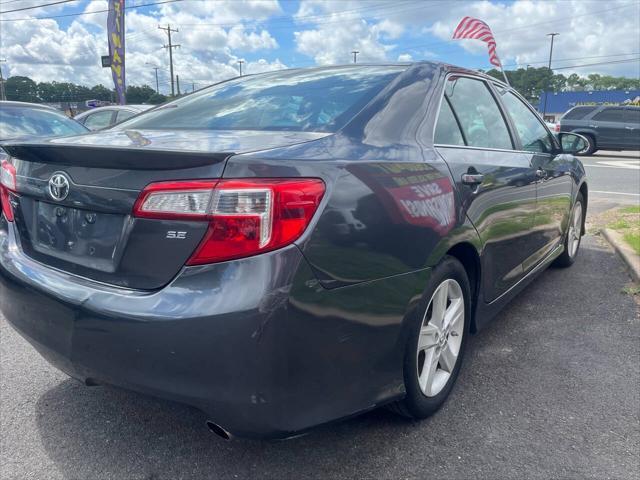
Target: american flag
[[470, 27]]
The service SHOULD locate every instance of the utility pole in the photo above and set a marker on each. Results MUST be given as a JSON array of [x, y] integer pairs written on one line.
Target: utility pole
[[546, 93], [170, 47], [193, 86], [240, 62], [3, 94], [527, 93], [178, 83], [157, 84], [355, 55]]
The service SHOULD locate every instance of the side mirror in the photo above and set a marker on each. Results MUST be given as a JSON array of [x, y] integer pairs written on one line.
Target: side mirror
[[572, 143]]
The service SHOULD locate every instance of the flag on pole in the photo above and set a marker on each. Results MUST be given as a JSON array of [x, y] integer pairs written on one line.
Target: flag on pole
[[473, 28], [115, 33]]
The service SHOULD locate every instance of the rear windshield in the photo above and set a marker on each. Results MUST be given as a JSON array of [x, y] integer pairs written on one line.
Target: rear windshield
[[577, 113], [18, 122], [304, 100]]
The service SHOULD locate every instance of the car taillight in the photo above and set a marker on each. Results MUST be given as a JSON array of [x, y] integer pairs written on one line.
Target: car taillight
[[246, 217], [7, 184]]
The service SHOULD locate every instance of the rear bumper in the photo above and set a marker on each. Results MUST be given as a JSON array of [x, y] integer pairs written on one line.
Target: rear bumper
[[256, 343]]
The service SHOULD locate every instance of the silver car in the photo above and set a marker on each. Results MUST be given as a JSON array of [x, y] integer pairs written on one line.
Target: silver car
[[103, 117]]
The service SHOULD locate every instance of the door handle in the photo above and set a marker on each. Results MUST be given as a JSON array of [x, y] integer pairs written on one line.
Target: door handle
[[472, 178], [593, 126], [629, 128]]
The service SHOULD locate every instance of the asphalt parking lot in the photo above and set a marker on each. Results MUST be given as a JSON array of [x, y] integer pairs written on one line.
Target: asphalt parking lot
[[549, 390]]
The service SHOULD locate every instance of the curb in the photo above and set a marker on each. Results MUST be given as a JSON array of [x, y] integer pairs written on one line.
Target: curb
[[630, 258]]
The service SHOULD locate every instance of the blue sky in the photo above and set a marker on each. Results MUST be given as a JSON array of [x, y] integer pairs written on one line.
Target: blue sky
[[271, 34]]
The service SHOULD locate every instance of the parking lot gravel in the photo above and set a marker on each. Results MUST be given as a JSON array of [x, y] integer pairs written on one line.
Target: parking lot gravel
[[551, 389]]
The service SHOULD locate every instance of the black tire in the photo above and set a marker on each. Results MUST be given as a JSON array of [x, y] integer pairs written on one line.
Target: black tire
[[416, 404], [591, 148], [566, 259]]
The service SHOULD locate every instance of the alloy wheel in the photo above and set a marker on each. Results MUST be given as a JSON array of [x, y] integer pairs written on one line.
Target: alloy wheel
[[575, 230], [440, 337]]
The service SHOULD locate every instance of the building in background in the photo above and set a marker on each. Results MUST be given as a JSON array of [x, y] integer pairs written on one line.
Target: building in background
[[559, 102]]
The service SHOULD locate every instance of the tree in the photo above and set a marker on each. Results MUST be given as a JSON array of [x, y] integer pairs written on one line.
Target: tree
[[100, 92], [141, 94], [21, 89], [157, 98]]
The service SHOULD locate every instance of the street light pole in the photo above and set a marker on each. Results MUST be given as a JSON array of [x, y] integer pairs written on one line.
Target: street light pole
[[3, 94], [546, 93], [355, 55], [240, 62], [156, 69]]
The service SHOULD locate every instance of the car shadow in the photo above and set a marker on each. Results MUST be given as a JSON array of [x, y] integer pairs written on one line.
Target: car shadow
[[112, 433], [104, 432]]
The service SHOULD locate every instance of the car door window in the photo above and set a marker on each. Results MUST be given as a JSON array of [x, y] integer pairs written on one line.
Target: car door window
[[632, 115], [447, 128], [533, 134], [98, 120], [480, 117], [610, 115]]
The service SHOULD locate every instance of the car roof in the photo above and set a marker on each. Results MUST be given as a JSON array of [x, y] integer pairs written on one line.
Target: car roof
[[12, 103], [447, 67], [137, 108]]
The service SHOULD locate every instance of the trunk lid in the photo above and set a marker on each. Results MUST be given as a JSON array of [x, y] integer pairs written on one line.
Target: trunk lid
[[75, 196]]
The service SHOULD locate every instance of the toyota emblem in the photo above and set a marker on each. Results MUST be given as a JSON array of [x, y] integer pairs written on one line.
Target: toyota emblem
[[59, 186]]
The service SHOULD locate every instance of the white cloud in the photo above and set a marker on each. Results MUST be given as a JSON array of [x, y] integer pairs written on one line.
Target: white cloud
[[211, 40], [587, 29], [214, 35]]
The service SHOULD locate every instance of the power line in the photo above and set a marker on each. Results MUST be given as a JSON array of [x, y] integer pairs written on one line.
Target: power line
[[574, 58], [287, 20], [526, 27], [566, 67], [87, 13], [38, 6]]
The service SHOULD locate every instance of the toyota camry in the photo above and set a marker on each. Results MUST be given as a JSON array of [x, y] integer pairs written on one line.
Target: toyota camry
[[290, 248]]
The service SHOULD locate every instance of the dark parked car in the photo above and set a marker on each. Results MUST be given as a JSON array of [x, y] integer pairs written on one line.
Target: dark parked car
[[290, 248], [103, 117], [605, 127], [31, 120], [21, 119]]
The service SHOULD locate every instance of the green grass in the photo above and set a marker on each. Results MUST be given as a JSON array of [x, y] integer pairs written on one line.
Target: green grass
[[634, 209], [626, 220], [631, 289], [633, 239], [620, 224]]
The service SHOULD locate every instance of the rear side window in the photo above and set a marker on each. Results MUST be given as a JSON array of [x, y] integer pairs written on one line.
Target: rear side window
[[480, 118], [533, 135], [610, 115], [122, 115], [447, 128], [632, 115], [577, 113]]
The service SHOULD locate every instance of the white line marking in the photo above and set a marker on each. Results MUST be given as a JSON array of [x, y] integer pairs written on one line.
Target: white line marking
[[616, 193], [607, 166]]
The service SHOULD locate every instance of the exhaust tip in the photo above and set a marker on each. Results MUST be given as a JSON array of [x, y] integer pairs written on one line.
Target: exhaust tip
[[218, 430]]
